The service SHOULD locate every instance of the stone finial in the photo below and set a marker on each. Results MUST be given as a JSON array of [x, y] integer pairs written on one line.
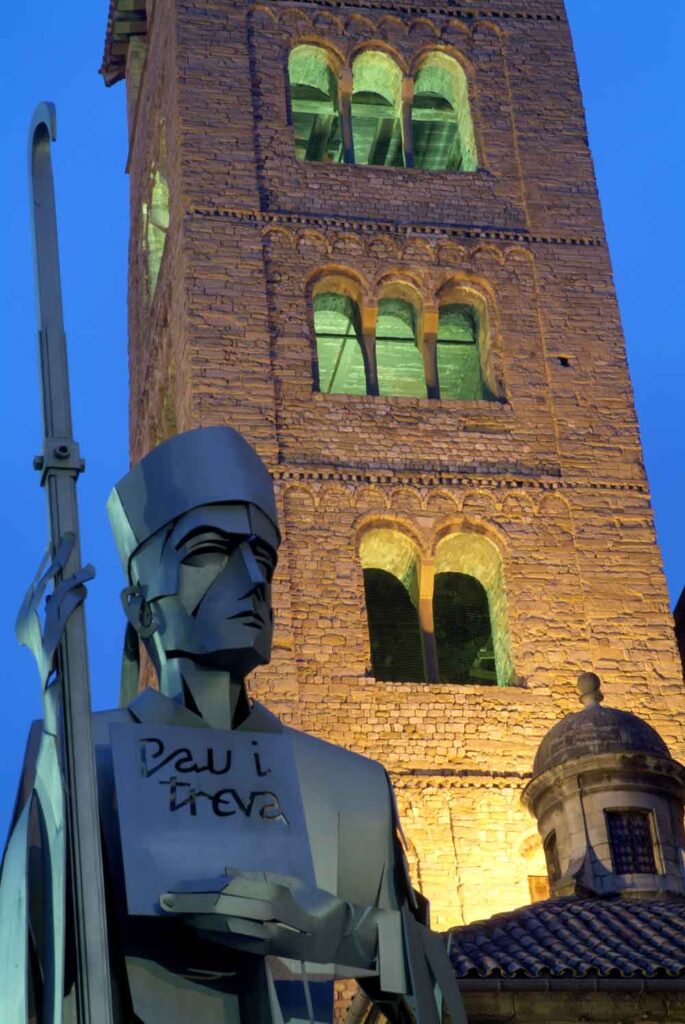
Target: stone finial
[[589, 688]]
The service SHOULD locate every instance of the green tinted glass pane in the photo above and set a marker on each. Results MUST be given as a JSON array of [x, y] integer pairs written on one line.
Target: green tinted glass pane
[[394, 633], [398, 360], [459, 369], [435, 133], [459, 372], [400, 369], [376, 131], [463, 633], [339, 354], [316, 125]]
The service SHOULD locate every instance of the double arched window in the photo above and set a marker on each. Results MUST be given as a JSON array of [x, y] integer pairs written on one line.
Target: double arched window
[[371, 112], [396, 347], [441, 619]]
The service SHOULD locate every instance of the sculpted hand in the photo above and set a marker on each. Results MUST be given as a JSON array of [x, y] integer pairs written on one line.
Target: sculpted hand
[[274, 914]]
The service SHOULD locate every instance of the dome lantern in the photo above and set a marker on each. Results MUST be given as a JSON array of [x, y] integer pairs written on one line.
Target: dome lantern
[[608, 798]]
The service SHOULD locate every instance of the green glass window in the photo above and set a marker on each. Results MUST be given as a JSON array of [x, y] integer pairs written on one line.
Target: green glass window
[[459, 369], [376, 128], [394, 633], [463, 631], [338, 349], [436, 137], [441, 118], [398, 360], [156, 215], [314, 105]]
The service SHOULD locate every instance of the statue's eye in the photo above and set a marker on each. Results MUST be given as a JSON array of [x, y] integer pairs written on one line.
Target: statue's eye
[[264, 558], [208, 555]]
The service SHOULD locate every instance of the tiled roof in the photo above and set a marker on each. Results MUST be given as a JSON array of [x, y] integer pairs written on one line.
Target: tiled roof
[[126, 18], [575, 937]]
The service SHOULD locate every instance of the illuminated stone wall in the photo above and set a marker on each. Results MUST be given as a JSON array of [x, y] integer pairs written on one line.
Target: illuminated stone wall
[[550, 476]]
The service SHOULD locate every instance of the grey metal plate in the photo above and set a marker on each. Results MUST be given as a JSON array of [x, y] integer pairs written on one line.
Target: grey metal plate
[[194, 802]]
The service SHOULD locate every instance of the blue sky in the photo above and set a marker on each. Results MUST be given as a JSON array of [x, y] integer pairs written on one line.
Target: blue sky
[[631, 75]]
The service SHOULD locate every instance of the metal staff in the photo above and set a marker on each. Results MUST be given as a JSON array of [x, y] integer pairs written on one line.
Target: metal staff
[[60, 465]]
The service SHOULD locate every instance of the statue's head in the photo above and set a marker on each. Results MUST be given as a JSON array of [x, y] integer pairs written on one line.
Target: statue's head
[[196, 527]]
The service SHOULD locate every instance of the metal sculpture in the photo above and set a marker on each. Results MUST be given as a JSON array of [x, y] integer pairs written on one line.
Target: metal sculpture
[[248, 865], [258, 843]]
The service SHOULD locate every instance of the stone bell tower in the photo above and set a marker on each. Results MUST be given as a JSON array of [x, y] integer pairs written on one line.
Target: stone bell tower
[[366, 233]]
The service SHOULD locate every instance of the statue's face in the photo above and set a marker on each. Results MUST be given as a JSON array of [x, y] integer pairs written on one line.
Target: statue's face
[[207, 582]]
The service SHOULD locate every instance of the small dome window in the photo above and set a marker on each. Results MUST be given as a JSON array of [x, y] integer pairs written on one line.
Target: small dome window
[[631, 842]]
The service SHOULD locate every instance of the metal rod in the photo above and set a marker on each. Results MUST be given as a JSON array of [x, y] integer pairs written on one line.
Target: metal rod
[[60, 465]]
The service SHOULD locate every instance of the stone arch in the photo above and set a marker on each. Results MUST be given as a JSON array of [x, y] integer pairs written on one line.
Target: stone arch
[[442, 111], [406, 498], [359, 24], [335, 302], [391, 567], [347, 244], [384, 247], [473, 554], [390, 25], [300, 496], [312, 243], [423, 25], [381, 47], [277, 236], [416, 250], [399, 348], [471, 292], [295, 22], [369, 498]]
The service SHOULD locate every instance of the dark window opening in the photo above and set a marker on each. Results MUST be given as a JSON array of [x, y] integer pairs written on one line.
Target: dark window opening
[[631, 843], [463, 631], [394, 632], [551, 851]]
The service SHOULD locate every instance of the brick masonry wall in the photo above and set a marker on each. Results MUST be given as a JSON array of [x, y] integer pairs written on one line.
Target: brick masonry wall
[[552, 474]]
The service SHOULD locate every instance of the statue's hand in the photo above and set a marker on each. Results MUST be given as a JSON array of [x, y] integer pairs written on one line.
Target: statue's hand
[[275, 914]]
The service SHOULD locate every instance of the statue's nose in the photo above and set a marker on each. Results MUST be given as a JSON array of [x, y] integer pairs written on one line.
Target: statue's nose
[[254, 573]]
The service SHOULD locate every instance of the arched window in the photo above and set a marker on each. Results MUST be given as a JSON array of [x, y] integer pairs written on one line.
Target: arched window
[[314, 105], [156, 214], [399, 362], [376, 124], [459, 633], [458, 355], [391, 591], [463, 633], [470, 612], [340, 360], [442, 128]]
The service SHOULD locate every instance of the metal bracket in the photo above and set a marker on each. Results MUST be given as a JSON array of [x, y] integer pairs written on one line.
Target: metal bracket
[[60, 454]]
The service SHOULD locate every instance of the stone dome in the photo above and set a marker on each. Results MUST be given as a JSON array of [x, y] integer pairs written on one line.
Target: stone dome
[[596, 730]]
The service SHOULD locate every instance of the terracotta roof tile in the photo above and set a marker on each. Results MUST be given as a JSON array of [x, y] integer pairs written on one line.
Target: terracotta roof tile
[[571, 936]]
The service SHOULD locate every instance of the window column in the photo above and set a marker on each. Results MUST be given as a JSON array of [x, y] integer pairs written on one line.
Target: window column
[[407, 99], [345, 103], [429, 352]]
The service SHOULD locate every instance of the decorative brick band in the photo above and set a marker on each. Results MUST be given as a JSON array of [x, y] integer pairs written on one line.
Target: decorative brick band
[[400, 7], [501, 481], [389, 227]]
